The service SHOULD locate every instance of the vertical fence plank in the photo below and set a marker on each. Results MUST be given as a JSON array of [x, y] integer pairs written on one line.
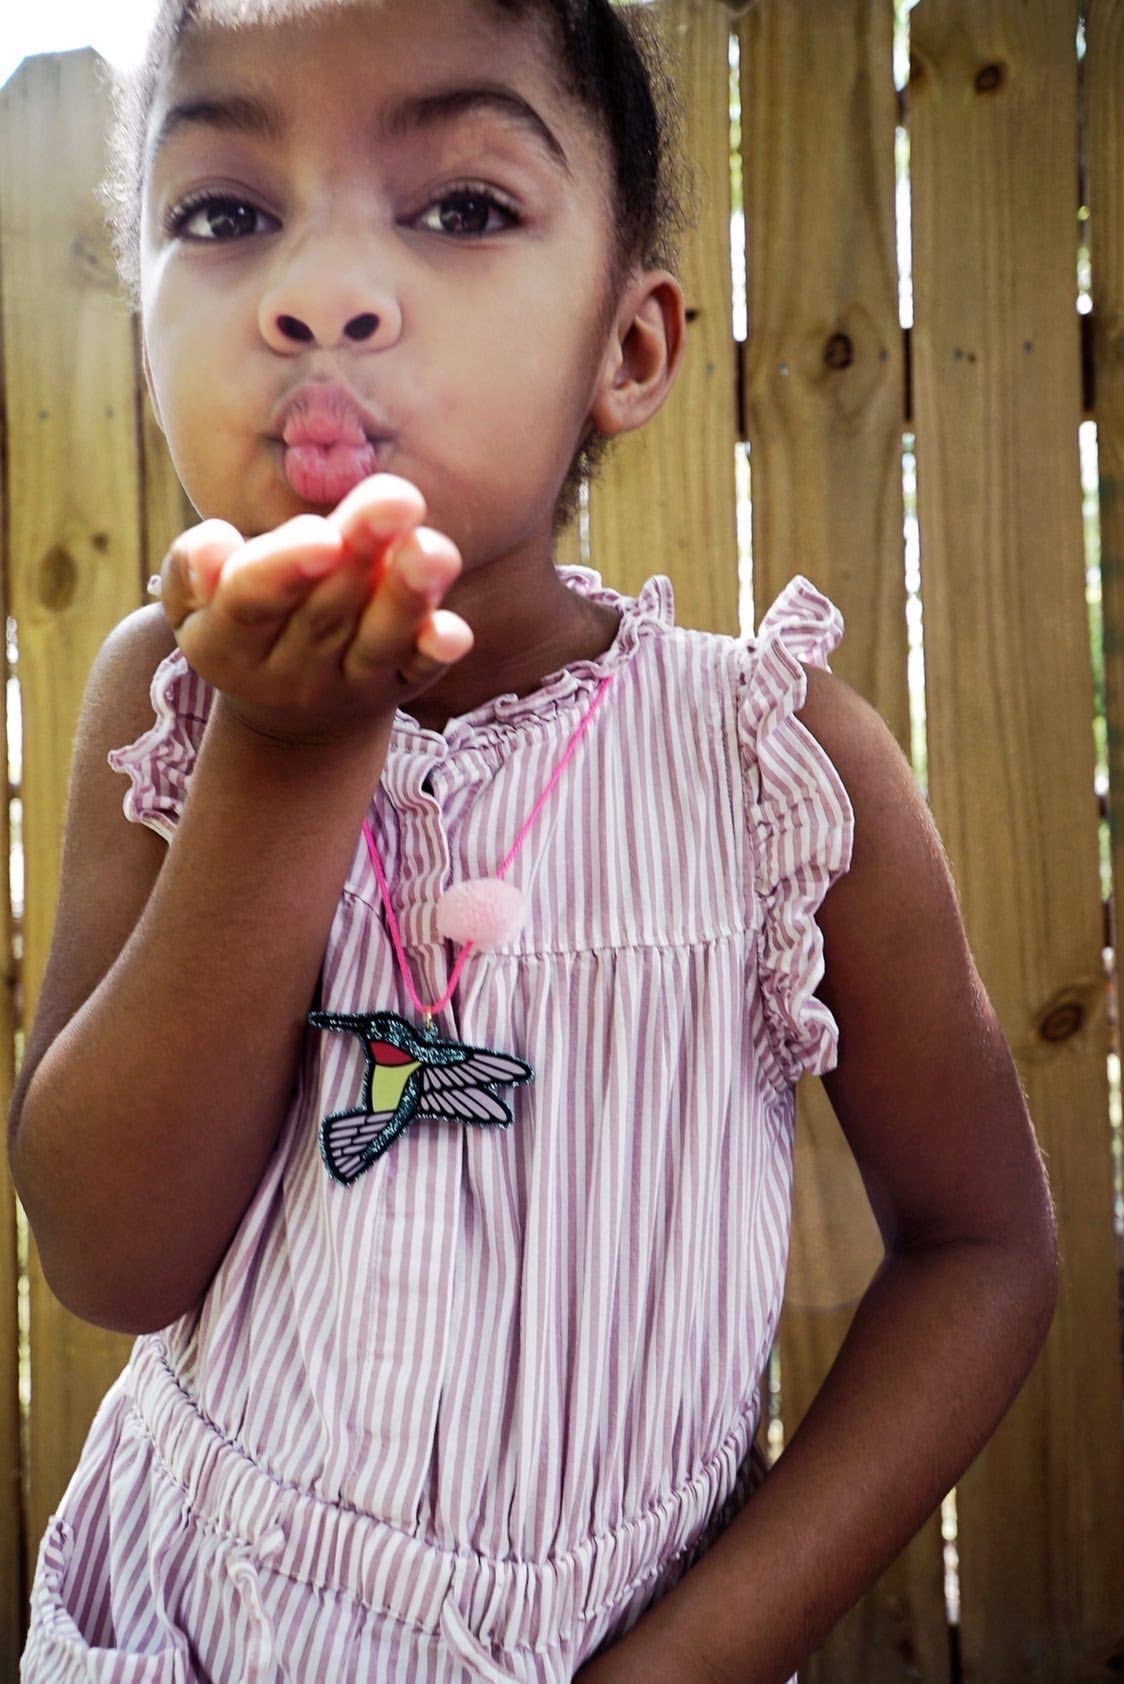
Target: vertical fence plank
[[73, 501], [11, 1495], [824, 377], [993, 115], [11, 1473], [824, 398], [12, 1558], [667, 502], [1104, 153]]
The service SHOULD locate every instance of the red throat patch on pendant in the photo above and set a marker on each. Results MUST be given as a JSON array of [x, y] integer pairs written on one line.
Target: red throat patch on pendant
[[384, 1053]]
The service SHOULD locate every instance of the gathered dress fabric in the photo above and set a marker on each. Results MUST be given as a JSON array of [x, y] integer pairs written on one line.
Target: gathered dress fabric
[[469, 1416]]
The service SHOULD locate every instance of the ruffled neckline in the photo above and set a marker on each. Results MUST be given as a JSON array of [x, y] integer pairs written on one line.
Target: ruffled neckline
[[651, 611]]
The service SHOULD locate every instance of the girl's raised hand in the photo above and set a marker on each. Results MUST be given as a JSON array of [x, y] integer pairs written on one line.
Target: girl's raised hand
[[312, 630]]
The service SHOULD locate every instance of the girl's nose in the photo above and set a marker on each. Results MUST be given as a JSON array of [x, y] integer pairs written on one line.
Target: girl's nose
[[317, 302]]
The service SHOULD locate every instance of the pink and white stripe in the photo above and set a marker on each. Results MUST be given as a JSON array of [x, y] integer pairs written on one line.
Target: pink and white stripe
[[470, 1416]]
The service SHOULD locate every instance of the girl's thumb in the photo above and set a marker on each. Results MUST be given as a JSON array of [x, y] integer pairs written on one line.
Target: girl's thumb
[[206, 550]]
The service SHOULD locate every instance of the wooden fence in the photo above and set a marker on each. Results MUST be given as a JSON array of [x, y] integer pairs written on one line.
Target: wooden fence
[[1010, 130]]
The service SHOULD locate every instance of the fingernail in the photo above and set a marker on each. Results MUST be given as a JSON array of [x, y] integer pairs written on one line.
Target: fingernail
[[413, 574], [318, 566]]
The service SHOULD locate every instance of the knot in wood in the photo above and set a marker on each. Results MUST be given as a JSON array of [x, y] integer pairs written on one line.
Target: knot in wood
[[1062, 1020], [58, 578], [839, 352], [990, 78]]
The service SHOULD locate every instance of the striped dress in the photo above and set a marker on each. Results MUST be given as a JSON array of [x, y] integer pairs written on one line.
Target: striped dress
[[468, 1416]]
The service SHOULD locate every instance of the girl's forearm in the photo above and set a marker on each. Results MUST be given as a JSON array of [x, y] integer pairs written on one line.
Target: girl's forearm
[[135, 1154], [938, 1348]]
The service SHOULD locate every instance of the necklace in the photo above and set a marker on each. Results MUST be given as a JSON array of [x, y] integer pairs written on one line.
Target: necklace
[[411, 1073]]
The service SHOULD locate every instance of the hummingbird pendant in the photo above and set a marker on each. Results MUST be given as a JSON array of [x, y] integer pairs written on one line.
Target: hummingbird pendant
[[411, 1075]]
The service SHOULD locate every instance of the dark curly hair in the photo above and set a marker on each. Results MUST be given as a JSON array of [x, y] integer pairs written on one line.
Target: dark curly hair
[[609, 60]]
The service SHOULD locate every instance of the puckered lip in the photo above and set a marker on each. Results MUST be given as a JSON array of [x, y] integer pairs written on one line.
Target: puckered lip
[[307, 407]]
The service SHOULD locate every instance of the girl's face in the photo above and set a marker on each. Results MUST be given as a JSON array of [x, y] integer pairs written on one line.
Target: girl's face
[[397, 198]]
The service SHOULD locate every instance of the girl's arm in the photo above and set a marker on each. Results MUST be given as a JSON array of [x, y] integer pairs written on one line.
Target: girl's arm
[[163, 1052], [930, 1101]]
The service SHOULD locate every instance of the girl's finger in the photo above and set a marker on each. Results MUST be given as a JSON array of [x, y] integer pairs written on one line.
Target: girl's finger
[[376, 512], [320, 628], [443, 639], [420, 569], [271, 576], [258, 589], [286, 559], [418, 575], [319, 632], [192, 567]]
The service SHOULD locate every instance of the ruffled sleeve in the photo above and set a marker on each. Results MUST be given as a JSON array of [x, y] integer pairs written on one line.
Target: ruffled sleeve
[[802, 828], [160, 762]]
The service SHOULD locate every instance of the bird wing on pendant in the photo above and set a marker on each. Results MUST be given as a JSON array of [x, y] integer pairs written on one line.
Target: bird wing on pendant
[[409, 1077]]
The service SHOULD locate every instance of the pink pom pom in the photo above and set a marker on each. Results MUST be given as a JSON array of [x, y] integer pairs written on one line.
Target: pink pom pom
[[483, 910]]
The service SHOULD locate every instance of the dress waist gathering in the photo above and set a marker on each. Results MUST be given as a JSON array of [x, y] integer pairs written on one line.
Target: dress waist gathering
[[476, 1603]]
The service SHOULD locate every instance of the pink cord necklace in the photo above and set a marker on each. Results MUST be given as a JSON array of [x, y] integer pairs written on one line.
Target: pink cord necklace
[[412, 1073]]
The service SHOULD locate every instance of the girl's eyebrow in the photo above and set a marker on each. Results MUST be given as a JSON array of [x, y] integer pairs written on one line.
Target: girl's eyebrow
[[418, 111], [239, 113], [230, 113]]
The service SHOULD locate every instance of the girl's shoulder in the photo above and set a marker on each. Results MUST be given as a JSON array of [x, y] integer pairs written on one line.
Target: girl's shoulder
[[152, 717], [118, 692], [878, 778]]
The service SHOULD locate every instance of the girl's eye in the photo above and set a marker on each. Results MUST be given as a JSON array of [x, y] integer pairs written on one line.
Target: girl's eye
[[467, 211], [209, 219]]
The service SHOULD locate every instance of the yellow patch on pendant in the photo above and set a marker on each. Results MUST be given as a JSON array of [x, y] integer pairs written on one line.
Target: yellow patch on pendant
[[388, 1082]]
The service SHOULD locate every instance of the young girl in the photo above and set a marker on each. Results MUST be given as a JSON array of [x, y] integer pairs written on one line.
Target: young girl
[[452, 1213]]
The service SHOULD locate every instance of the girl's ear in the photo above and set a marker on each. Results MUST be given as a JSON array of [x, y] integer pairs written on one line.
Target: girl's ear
[[643, 353]]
